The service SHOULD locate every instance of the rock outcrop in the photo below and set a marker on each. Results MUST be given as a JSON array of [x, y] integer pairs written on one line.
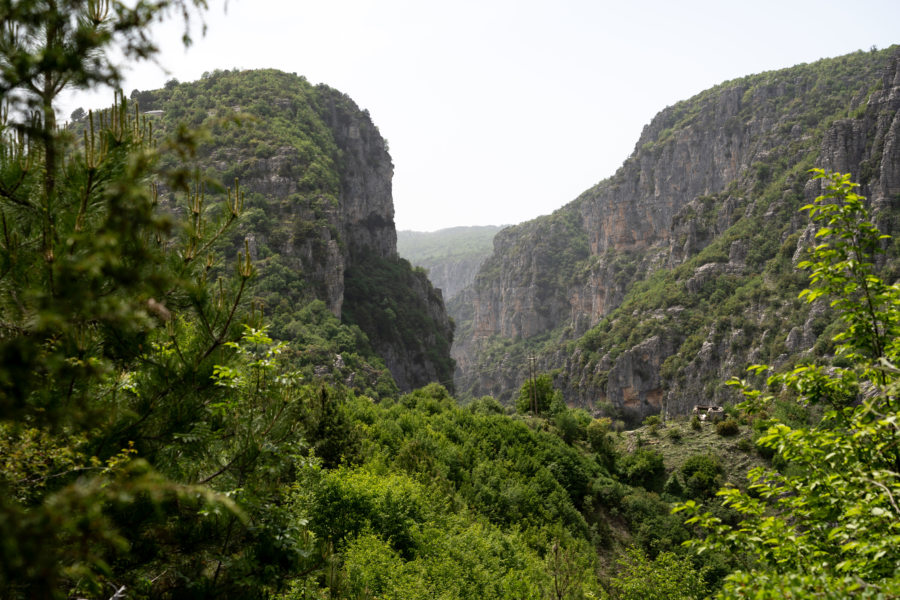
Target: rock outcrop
[[703, 213], [451, 256], [317, 177]]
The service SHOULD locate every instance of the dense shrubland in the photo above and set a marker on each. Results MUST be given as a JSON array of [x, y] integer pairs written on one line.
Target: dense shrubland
[[157, 441]]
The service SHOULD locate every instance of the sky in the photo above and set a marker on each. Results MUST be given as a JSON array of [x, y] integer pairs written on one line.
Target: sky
[[498, 111]]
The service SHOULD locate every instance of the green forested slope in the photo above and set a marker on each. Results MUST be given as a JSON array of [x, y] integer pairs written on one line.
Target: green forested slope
[[315, 175], [156, 442]]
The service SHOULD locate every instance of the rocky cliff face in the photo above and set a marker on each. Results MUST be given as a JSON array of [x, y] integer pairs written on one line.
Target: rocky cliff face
[[365, 167], [451, 256], [317, 177], [628, 307], [432, 339], [452, 276]]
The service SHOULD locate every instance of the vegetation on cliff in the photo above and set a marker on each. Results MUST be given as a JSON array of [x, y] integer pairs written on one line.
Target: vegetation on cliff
[[315, 174], [157, 442], [689, 270], [450, 256]]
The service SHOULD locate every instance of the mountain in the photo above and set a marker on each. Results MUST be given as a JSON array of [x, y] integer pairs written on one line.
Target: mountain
[[653, 287], [451, 256], [318, 223]]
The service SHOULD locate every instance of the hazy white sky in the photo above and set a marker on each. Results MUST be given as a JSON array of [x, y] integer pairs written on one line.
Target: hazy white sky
[[497, 111]]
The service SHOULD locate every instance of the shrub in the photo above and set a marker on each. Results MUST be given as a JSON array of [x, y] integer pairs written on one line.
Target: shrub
[[728, 427], [702, 475], [667, 576], [696, 425], [598, 434], [673, 486], [486, 405], [536, 395], [570, 430], [643, 468], [653, 422], [674, 434]]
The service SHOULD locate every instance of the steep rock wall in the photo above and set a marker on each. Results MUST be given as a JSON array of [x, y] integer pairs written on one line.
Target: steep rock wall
[[317, 177], [706, 178]]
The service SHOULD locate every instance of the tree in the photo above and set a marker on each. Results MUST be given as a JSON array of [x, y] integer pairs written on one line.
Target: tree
[[828, 527], [109, 327], [667, 577], [536, 395]]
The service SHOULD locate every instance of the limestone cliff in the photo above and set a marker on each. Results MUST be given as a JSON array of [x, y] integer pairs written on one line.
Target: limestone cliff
[[317, 178], [656, 285], [451, 256]]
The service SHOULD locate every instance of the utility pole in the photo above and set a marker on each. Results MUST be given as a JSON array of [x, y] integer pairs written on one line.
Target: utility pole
[[534, 403]]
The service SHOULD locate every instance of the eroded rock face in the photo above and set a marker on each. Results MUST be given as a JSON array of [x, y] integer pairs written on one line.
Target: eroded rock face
[[367, 204], [698, 168], [408, 373], [451, 277], [330, 195]]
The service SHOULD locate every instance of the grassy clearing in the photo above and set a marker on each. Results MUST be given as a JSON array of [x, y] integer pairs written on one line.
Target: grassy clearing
[[677, 441]]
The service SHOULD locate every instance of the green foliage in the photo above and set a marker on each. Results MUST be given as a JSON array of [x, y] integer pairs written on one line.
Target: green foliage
[[842, 269], [113, 340], [536, 395], [702, 475], [598, 433], [569, 427], [486, 405], [666, 577], [827, 526], [728, 427], [643, 468], [381, 298], [653, 423]]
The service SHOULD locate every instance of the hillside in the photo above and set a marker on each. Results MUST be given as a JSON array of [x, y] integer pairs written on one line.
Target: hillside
[[157, 443], [451, 256], [653, 287], [318, 222]]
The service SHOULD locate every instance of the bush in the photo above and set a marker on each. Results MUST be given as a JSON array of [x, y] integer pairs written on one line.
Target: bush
[[674, 434], [643, 468], [653, 422], [486, 405], [702, 475], [728, 427], [667, 576], [570, 430], [696, 425], [673, 486], [537, 394]]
